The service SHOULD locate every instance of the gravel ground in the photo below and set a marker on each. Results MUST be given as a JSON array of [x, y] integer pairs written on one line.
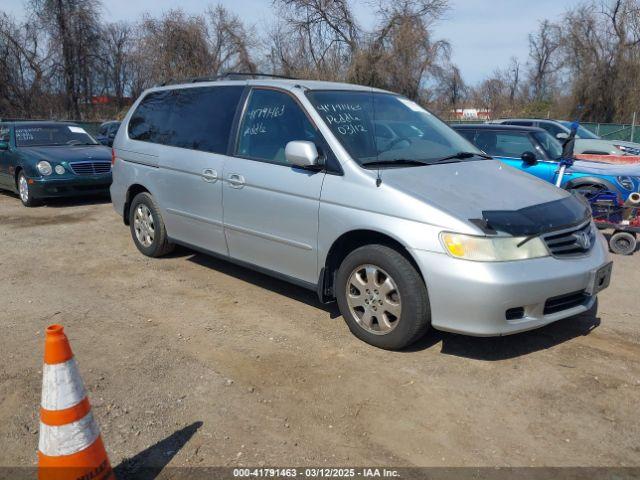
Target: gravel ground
[[190, 360]]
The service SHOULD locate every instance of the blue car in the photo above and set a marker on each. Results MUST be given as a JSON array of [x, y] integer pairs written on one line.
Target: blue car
[[535, 151], [40, 160]]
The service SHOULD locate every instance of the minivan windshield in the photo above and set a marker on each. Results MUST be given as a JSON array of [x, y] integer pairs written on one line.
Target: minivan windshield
[[37, 135], [382, 128]]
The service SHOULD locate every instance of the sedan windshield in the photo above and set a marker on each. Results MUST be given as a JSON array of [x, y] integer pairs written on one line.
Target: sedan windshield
[[381, 129], [52, 135], [550, 145], [583, 132]]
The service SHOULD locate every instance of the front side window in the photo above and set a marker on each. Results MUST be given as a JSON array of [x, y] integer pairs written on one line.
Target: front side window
[[504, 144], [550, 145], [39, 135], [271, 120], [381, 127], [468, 134], [552, 129]]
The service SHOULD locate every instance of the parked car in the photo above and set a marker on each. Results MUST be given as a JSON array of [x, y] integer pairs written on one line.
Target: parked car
[[535, 151], [107, 132], [293, 178], [41, 160], [587, 142]]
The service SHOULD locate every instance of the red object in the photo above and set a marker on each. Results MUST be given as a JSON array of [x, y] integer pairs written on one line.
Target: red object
[[614, 159], [113, 157]]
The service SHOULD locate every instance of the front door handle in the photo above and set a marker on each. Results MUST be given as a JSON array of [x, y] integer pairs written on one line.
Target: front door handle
[[209, 175], [235, 180]]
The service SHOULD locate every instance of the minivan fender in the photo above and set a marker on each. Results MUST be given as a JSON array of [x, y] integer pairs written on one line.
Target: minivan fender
[[347, 243]]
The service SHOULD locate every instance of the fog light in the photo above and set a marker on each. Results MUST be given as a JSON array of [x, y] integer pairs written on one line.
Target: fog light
[[59, 169]]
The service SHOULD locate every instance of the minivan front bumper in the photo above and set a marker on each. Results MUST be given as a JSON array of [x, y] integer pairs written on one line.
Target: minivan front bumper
[[503, 298]]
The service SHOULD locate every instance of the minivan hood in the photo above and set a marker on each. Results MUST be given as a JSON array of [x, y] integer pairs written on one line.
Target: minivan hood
[[467, 189], [69, 154]]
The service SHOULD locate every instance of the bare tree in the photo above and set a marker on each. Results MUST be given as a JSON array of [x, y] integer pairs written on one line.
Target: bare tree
[[602, 54], [451, 90], [544, 48], [24, 67], [117, 45], [73, 26]]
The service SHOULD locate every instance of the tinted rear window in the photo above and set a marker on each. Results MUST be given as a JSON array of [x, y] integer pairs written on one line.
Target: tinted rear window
[[193, 118], [150, 121]]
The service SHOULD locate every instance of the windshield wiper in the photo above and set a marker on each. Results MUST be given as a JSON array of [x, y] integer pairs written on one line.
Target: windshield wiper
[[397, 161], [460, 156]]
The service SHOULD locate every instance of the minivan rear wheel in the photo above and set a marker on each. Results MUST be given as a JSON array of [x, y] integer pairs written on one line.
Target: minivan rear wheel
[[382, 297], [147, 228]]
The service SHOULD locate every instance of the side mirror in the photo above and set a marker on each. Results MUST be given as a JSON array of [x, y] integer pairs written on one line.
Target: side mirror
[[4, 145], [562, 136], [529, 158], [302, 154]]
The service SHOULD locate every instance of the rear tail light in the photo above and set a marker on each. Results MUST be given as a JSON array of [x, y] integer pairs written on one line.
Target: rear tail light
[[113, 157]]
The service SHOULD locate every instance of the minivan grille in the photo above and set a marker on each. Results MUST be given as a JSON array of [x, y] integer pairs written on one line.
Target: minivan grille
[[564, 302], [571, 242], [90, 168]]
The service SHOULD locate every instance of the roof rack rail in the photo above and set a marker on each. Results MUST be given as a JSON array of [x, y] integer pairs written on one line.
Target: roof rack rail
[[225, 76]]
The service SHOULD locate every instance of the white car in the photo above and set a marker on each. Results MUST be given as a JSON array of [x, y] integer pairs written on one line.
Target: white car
[[587, 142]]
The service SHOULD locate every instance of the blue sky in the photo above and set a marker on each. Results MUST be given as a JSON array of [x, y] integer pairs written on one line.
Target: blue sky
[[485, 34]]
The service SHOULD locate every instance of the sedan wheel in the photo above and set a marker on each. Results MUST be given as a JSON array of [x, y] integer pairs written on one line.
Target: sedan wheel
[[25, 193], [23, 187]]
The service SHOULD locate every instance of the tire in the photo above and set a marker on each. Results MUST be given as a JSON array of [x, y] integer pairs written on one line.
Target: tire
[[408, 300], [588, 190], [24, 191], [147, 228], [623, 243]]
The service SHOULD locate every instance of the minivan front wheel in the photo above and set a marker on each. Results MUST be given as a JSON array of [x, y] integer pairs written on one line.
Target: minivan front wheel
[[382, 297], [147, 228]]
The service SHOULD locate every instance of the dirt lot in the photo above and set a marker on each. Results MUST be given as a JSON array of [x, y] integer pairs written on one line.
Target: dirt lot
[[193, 361]]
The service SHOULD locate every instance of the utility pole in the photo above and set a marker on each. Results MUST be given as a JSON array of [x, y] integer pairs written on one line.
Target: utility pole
[[633, 127]]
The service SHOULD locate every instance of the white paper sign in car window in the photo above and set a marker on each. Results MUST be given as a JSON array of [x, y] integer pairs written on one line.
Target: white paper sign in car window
[[412, 105], [77, 130]]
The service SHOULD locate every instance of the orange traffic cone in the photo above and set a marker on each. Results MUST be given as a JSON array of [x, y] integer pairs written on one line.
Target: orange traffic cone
[[70, 446]]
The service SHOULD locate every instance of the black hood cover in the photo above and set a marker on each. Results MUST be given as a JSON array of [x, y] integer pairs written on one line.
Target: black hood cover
[[536, 219]]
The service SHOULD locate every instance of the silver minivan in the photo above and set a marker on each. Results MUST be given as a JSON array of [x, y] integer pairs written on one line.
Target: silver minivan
[[361, 195]]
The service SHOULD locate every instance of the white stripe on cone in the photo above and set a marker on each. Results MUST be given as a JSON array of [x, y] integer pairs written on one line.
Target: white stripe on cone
[[62, 386], [67, 439]]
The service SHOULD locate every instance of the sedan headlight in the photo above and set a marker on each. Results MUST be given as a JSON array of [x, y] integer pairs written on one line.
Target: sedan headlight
[[625, 182], [628, 150], [44, 168], [59, 169], [493, 249]]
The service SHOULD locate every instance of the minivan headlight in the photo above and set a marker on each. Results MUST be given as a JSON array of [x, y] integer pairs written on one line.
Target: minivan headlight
[[625, 182], [44, 168], [492, 249]]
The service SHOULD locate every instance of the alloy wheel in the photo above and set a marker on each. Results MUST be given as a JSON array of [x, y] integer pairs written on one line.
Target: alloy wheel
[[23, 188], [374, 299], [143, 225]]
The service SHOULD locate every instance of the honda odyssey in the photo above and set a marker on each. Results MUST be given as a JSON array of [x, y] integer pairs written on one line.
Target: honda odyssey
[[361, 195]]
